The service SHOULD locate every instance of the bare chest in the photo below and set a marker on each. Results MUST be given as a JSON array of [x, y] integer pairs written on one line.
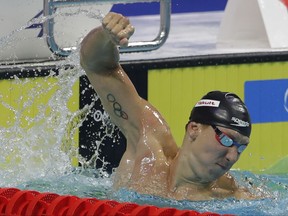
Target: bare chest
[[146, 175]]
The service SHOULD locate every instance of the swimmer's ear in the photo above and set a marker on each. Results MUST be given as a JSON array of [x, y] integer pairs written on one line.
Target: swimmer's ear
[[193, 129]]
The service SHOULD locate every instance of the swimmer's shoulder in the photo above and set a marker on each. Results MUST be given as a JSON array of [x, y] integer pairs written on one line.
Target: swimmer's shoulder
[[159, 132], [227, 182]]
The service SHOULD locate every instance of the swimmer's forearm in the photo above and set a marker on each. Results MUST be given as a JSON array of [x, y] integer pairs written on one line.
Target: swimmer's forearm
[[98, 54]]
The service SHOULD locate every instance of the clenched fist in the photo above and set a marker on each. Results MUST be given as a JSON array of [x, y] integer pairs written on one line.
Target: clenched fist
[[118, 27]]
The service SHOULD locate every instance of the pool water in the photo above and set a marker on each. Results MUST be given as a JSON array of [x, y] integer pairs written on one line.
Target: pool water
[[85, 183], [276, 205]]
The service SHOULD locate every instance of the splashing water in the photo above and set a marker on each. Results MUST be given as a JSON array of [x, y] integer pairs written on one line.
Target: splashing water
[[11, 40], [38, 142], [37, 151], [34, 151]]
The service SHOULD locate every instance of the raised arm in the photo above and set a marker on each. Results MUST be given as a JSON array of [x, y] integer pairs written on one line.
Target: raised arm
[[133, 115], [99, 57], [99, 53]]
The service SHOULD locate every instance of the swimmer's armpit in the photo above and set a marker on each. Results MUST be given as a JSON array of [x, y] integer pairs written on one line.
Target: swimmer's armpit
[[117, 108]]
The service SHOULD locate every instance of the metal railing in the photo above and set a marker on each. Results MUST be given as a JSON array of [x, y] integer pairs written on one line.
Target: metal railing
[[50, 7]]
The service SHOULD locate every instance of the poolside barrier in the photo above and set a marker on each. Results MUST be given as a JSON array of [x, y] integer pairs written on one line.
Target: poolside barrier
[[263, 19], [18, 202]]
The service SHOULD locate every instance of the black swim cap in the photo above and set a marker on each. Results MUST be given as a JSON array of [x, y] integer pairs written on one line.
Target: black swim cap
[[222, 109]]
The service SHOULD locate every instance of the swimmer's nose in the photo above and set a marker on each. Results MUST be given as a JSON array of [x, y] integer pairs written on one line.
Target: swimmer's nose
[[232, 154]]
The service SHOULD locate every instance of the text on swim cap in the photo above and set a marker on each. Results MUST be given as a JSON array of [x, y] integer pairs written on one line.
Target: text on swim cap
[[239, 122], [209, 103]]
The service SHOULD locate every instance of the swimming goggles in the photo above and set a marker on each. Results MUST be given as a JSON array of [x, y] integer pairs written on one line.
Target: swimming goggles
[[225, 140]]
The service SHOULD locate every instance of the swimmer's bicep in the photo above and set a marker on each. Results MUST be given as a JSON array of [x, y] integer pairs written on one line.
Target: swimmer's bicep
[[119, 98]]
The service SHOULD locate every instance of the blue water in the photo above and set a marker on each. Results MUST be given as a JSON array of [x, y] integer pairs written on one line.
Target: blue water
[[85, 183]]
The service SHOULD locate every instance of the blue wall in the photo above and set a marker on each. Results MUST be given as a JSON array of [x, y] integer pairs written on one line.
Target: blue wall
[[178, 6]]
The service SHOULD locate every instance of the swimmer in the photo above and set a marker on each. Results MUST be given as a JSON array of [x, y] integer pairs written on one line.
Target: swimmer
[[216, 134]]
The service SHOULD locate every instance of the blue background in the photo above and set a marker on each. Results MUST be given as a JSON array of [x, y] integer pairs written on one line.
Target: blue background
[[265, 100], [178, 6]]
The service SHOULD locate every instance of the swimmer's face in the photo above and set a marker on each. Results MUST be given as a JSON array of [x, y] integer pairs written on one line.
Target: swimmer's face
[[213, 159], [229, 140]]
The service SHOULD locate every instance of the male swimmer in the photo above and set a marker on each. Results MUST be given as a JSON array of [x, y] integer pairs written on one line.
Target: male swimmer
[[216, 134]]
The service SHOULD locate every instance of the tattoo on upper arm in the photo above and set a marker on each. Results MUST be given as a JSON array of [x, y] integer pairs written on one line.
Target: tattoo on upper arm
[[117, 107]]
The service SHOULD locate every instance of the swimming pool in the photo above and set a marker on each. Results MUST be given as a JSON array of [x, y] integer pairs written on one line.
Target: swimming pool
[[84, 184], [30, 162], [33, 155]]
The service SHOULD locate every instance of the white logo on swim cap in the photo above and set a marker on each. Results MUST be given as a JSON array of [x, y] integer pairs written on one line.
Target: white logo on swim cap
[[239, 122], [209, 103]]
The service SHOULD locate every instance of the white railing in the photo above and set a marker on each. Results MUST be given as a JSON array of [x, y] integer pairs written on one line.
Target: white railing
[[50, 7]]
